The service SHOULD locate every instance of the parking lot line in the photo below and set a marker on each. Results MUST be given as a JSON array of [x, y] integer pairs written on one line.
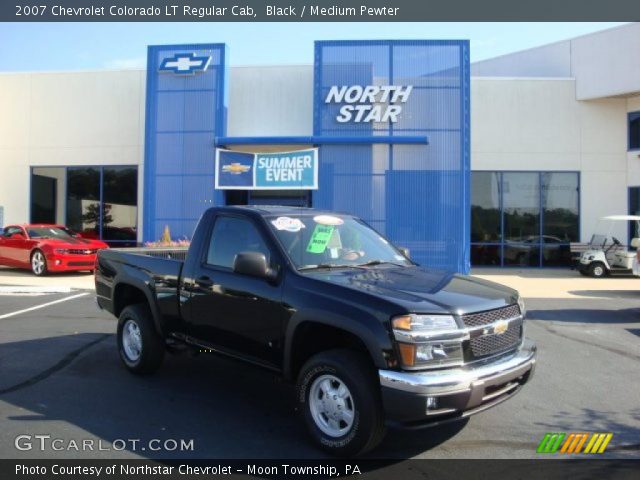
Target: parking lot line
[[44, 305]]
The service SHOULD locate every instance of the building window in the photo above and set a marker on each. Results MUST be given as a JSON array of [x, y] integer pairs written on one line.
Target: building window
[[97, 202], [634, 131], [524, 219]]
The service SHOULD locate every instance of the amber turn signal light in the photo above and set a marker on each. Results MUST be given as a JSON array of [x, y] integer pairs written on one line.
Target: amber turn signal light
[[407, 354], [402, 323]]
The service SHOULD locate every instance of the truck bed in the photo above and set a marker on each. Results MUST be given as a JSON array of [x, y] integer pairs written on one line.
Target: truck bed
[[154, 271]]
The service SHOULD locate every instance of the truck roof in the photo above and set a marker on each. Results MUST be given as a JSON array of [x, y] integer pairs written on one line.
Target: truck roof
[[281, 210]]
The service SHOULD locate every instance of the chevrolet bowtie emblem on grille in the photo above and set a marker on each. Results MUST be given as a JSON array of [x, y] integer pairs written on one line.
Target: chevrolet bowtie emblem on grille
[[185, 63], [236, 168], [500, 327]]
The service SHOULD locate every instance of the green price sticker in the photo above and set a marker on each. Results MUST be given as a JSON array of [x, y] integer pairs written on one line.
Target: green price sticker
[[320, 238]]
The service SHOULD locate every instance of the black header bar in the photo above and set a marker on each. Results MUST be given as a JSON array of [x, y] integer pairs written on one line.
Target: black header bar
[[361, 469], [316, 10]]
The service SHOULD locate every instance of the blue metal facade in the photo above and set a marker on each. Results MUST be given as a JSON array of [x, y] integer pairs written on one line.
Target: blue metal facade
[[409, 179], [184, 113], [417, 195]]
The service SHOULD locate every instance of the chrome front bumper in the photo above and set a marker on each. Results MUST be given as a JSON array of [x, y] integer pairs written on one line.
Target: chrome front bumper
[[459, 391]]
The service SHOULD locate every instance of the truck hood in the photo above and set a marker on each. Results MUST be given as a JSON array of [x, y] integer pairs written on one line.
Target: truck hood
[[422, 290]]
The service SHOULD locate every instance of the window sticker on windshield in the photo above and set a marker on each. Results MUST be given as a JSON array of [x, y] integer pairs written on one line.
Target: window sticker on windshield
[[320, 238], [328, 220], [287, 223]]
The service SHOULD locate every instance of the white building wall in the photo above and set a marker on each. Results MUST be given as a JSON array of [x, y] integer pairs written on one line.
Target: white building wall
[[537, 124], [601, 62], [553, 60], [65, 119]]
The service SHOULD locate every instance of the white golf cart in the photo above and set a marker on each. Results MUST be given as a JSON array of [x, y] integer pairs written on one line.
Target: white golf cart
[[606, 254]]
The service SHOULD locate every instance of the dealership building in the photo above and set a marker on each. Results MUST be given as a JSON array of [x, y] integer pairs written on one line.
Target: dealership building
[[504, 162]]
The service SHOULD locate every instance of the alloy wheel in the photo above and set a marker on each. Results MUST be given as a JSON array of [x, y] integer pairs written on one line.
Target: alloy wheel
[[332, 406]]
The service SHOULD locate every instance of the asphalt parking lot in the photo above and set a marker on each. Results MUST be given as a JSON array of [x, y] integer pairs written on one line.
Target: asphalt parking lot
[[61, 376]]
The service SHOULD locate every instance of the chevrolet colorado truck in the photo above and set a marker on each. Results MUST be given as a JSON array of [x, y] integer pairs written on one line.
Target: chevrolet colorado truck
[[369, 337]]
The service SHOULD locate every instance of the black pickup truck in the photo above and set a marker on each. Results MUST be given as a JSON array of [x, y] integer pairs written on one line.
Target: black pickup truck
[[369, 337]]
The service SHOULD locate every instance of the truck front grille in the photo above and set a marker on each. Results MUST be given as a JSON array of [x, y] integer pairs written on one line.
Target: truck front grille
[[493, 344], [490, 316]]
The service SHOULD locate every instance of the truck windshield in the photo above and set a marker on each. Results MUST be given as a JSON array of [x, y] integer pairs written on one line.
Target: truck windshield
[[333, 241]]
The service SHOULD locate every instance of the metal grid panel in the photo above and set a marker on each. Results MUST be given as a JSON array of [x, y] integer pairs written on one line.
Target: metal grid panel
[[485, 345], [419, 194], [490, 316], [184, 114]]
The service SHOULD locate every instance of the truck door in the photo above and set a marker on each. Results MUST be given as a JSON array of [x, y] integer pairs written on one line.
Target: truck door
[[236, 313]]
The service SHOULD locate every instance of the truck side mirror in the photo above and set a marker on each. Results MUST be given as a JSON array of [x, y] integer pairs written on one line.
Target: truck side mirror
[[253, 264], [405, 252]]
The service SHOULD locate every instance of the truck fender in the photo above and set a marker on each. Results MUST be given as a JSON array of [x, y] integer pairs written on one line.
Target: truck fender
[[373, 342], [141, 281]]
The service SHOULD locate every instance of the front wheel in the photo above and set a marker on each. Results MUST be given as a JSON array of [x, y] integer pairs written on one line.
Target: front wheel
[[339, 400], [597, 270], [39, 263], [141, 347]]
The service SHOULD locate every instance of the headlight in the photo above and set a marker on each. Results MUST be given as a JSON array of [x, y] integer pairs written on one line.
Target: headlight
[[424, 323], [523, 309], [428, 340], [61, 251]]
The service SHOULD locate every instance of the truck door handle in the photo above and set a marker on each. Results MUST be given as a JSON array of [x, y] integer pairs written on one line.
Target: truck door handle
[[204, 282]]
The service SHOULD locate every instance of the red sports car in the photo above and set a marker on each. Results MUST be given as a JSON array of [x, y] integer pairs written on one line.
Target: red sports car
[[47, 248]]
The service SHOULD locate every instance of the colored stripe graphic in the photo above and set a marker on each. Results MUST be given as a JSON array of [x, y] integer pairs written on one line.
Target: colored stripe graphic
[[573, 442], [550, 443], [598, 442]]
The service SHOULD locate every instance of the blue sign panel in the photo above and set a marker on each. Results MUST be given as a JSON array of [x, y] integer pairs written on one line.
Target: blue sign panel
[[418, 195], [297, 170], [186, 110]]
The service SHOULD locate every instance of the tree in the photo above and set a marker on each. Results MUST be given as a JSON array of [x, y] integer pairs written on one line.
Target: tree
[[92, 214]]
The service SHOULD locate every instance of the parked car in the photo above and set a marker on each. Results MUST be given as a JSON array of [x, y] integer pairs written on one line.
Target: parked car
[[369, 337], [45, 248]]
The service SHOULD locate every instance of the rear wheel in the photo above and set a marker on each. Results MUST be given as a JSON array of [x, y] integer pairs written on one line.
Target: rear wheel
[[339, 400], [39, 263], [597, 270], [141, 347]]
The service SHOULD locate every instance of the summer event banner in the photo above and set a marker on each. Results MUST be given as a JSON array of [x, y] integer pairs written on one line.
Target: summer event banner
[[296, 170]]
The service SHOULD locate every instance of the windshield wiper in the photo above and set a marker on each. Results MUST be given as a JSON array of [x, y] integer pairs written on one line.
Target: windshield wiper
[[329, 266], [373, 263]]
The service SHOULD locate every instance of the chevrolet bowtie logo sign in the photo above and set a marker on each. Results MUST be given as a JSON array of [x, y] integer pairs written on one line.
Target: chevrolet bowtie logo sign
[[236, 168], [185, 63]]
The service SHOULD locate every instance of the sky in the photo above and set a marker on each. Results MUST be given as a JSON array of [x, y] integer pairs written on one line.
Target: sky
[[91, 46]]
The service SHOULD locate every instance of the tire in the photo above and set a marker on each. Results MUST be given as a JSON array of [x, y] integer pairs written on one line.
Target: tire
[[353, 434], [39, 263], [137, 321], [597, 270]]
